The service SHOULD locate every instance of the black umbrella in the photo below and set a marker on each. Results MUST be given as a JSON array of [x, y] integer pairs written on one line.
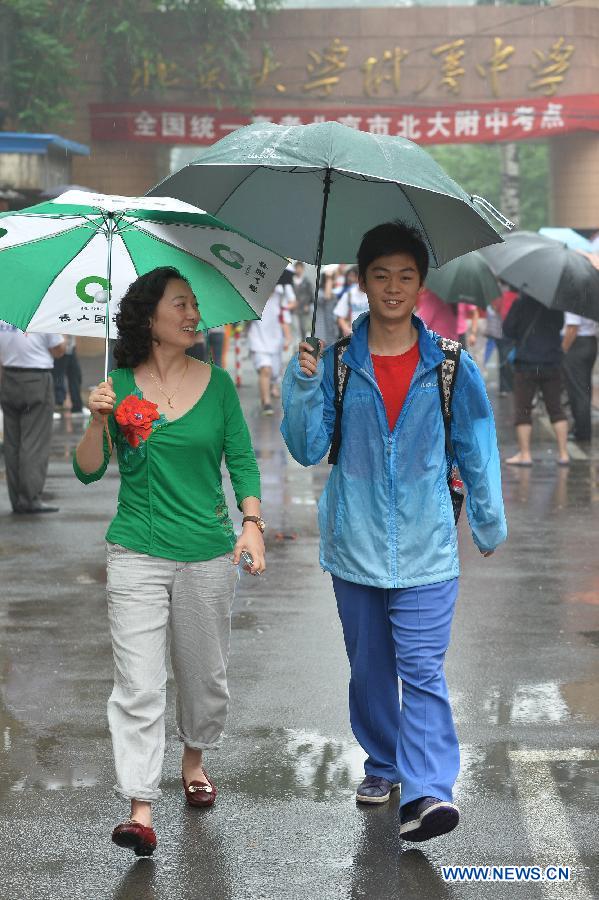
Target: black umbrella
[[547, 270]]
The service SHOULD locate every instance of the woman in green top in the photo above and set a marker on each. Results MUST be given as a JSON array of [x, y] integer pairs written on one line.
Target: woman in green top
[[172, 552]]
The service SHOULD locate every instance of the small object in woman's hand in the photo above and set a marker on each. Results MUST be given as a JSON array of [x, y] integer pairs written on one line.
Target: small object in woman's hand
[[248, 561]]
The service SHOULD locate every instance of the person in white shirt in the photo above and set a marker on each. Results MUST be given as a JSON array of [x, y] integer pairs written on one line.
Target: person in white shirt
[[27, 401], [579, 344], [269, 336], [351, 304]]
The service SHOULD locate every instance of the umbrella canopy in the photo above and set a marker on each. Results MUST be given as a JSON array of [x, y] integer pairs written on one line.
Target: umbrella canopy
[[547, 270], [567, 236], [70, 256], [272, 181], [467, 279], [53, 192]]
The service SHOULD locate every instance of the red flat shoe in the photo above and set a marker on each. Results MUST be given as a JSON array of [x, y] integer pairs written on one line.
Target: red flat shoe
[[199, 794], [135, 836]]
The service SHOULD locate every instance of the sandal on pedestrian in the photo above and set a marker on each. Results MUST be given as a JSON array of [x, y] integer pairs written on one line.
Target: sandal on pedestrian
[[135, 836], [199, 794]]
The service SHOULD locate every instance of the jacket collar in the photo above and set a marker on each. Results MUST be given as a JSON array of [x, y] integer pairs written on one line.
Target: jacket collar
[[357, 355]]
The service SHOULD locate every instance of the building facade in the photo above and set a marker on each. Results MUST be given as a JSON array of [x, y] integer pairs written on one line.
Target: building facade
[[451, 74]]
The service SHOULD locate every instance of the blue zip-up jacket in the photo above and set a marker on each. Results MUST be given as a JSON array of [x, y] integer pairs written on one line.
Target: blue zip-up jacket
[[385, 515]]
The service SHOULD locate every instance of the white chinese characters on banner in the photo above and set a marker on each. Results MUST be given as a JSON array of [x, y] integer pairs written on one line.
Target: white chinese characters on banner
[[466, 122], [145, 125], [438, 125], [173, 124], [408, 126], [378, 124], [524, 117], [509, 121], [552, 116], [202, 128]]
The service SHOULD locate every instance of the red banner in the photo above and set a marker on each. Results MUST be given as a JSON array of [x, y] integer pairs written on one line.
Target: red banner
[[510, 120]]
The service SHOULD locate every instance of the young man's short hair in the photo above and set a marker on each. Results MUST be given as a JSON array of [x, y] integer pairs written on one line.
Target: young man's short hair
[[389, 238]]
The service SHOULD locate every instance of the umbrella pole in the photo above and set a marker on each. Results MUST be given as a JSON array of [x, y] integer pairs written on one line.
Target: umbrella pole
[[312, 340], [111, 230], [111, 227]]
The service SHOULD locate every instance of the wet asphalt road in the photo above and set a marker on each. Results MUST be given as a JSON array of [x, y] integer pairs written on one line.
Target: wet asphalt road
[[523, 672]]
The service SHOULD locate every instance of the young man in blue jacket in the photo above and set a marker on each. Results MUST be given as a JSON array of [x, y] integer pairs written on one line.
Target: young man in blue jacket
[[388, 535]]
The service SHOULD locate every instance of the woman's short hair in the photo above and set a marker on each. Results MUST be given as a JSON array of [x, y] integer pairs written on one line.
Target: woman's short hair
[[389, 238], [134, 340]]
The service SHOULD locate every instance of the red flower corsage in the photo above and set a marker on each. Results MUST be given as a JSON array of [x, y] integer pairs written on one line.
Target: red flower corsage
[[135, 416]]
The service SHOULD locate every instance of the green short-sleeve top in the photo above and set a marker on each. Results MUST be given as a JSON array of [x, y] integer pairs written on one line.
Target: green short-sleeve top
[[171, 501]]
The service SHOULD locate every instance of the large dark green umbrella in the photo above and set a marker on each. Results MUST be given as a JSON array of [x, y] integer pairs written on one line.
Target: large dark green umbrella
[[311, 191], [467, 279], [547, 270]]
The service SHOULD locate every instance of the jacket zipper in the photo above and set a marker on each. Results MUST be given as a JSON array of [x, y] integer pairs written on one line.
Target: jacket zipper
[[390, 467]]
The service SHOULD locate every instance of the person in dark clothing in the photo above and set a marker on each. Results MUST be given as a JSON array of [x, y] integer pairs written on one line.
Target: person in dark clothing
[[580, 349], [536, 332], [68, 371]]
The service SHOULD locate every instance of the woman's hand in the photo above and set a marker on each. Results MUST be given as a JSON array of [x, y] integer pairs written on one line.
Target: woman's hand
[[308, 363], [101, 401], [251, 540]]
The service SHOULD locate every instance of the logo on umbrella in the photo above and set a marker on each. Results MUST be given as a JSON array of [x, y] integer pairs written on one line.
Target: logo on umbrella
[[99, 296], [235, 259], [3, 231]]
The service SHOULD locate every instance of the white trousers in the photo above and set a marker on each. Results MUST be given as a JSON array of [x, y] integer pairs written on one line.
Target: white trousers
[[146, 596]]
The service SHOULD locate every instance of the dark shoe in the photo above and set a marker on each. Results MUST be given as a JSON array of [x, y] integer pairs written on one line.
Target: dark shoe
[[375, 789], [199, 794], [572, 436], [426, 818], [267, 410], [33, 510], [135, 836]]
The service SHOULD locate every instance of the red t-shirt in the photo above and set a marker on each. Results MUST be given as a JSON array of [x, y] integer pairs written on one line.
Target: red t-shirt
[[394, 375]]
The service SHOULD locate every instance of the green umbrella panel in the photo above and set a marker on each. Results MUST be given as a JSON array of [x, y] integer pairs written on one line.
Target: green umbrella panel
[[272, 181], [73, 255], [467, 279], [311, 192]]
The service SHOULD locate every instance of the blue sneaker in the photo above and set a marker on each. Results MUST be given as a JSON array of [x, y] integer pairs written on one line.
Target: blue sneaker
[[426, 818], [375, 789]]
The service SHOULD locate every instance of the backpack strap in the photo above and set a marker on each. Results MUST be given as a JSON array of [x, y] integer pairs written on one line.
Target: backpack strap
[[446, 376], [341, 374]]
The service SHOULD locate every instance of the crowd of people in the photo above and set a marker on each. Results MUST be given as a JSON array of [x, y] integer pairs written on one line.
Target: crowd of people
[[540, 352]]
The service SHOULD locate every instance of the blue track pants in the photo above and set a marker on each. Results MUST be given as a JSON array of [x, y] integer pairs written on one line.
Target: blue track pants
[[401, 633]]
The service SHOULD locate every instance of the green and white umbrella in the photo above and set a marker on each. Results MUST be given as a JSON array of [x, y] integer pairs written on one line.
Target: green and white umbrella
[[65, 264]]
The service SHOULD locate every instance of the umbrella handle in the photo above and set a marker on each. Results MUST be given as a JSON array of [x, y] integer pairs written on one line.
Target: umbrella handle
[[314, 346], [108, 438]]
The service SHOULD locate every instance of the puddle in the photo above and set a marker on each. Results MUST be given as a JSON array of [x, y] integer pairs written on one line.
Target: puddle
[[331, 762], [539, 703], [55, 782], [297, 763], [10, 550], [592, 637], [246, 621]]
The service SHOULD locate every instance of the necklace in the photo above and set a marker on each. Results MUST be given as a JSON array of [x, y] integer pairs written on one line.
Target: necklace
[[162, 391]]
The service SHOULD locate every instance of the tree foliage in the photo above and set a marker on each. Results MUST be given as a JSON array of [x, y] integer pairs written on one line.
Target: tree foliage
[[43, 39], [477, 168]]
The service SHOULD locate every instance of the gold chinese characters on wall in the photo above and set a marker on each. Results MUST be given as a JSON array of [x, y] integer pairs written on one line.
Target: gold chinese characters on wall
[[381, 74]]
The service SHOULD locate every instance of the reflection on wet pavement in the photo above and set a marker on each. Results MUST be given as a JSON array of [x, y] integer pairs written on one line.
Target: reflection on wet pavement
[[302, 764]]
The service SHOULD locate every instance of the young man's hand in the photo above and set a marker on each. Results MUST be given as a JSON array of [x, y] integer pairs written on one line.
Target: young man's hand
[[307, 362]]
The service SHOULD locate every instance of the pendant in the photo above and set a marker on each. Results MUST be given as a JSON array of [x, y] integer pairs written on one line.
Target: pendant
[[170, 403]]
